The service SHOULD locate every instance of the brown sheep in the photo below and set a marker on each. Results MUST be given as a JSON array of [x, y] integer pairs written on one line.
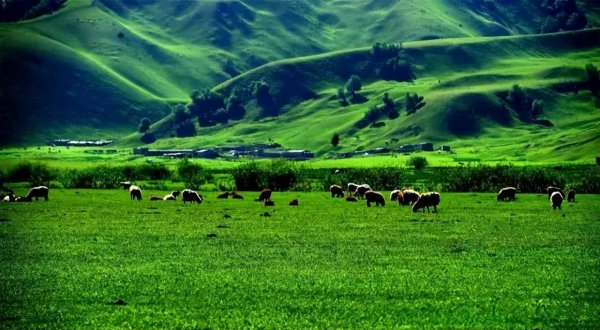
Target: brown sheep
[[571, 196], [293, 202], [37, 192], [351, 198], [362, 189], [224, 195], [189, 195], [336, 191], [507, 194], [374, 197], [265, 195], [135, 193], [426, 200], [235, 195], [550, 190], [269, 202], [410, 197], [556, 200]]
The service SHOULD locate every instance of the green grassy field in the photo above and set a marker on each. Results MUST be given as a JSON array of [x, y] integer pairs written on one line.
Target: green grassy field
[[327, 263]]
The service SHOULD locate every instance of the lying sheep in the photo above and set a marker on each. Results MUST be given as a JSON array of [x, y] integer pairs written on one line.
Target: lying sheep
[[269, 202], [351, 198], [410, 197], [189, 195], [374, 197], [235, 195], [10, 197], [426, 200], [293, 202], [556, 200], [135, 192], [224, 195], [507, 194], [172, 196]]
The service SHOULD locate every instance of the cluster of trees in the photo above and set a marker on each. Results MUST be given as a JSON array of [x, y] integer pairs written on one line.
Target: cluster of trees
[[348, 94], [392, 65], [524, 105], [563, 15], [413, 103], [16, 10]]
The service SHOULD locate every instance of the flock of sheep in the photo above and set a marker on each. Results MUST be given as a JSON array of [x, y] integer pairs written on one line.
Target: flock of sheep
[[354, 193]]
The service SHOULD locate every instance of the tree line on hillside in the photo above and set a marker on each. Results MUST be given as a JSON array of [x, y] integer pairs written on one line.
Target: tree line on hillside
[[16, 10], [562, 15]]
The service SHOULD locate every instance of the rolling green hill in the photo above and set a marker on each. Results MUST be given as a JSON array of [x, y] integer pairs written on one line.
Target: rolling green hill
[[95, 68]]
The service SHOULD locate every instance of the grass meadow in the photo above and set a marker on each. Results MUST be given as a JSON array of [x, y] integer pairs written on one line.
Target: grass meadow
[[95, 259]]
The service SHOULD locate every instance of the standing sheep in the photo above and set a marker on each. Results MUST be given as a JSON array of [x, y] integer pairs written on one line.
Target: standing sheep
[[410, 196], [374, 197], [265, 195], [556, 200], [37, 192], [571, 196], [336, 191], [426, 200], [135, 192], [394, 195], [362, 189], [507, 194], [189, 195], [550, 190]]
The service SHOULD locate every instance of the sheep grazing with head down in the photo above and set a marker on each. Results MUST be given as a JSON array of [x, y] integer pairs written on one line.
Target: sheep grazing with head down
[[394, 195], [135, 192], [556, 200], [374, 197], [336, 191], [550, 190], [426, 200], [410, 197], [352, 187], [571, 196], [38, 192], [507, 194], [265, 195], [189, 195], [362, 189]]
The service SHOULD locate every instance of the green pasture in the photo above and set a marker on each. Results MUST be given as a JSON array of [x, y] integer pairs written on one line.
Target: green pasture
[[95, 259]]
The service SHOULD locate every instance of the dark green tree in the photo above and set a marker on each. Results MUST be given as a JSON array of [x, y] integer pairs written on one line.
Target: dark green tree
[[413, 103], [144, 125], [204, 106], [592, 79], [382, 51], [235, 108], [335, 140], [180, 113], [354, 84]]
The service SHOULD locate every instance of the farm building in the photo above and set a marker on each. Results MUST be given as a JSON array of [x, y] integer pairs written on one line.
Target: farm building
[[445, 148], [425, 146]]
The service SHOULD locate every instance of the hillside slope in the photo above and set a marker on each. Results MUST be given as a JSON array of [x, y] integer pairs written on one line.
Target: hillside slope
[[469, 77], [96, 67]]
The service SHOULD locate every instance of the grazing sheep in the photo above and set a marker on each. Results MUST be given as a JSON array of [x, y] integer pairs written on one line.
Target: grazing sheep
[[265, 195], [135, 193], [400, 198], [336, 191], [426, 200], [224, 195], [362, 189], [293, 202], [556, 200], [269, 202], [352, 187], [394, 195], [189, 195], [550, 190], [125, 184], [351, 198], [410, 196], [235, 195], [571, 196], [507, 194], [38, 192], [172, 196], [374, 197]]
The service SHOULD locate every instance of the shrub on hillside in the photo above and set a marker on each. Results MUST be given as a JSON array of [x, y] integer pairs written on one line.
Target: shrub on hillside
[[191, 174], [418, 162]]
